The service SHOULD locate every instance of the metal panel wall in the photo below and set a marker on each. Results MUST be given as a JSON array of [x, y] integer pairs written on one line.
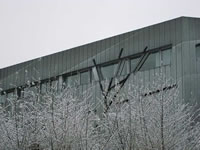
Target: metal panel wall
[[183, 33]]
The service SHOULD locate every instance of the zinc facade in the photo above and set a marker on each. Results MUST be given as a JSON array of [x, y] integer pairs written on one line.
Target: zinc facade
[[175, 46]]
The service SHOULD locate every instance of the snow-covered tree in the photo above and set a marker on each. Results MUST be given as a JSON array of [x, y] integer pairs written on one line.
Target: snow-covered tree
[[51, 120], [151, 117], [137, 118]]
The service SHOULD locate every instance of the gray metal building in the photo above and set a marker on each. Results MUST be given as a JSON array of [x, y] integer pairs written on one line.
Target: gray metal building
[[174, 47]]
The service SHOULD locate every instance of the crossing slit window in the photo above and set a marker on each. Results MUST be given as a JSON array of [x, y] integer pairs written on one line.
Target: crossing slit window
[[108, 71], [198, 57], [157, 59], [85, 77], [71, 80]]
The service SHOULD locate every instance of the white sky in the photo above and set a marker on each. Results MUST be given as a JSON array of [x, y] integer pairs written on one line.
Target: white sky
[[34, 28]]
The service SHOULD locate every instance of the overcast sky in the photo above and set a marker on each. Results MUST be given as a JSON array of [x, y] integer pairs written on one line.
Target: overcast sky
[[33, 28]]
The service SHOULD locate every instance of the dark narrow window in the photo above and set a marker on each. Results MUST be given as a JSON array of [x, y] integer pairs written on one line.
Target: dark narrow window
[[198, 52], [85, 77], [19, 92], [9, 99], [156, 59], [95, 75], [152, 61], [134, 62], [124, 68], [48, 85], [29, 91], [198, 57], [2, 99], [43, 88], [54, 85], [10, 95], [108, 71], [166, 57], [71, 80], [159, 90]]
